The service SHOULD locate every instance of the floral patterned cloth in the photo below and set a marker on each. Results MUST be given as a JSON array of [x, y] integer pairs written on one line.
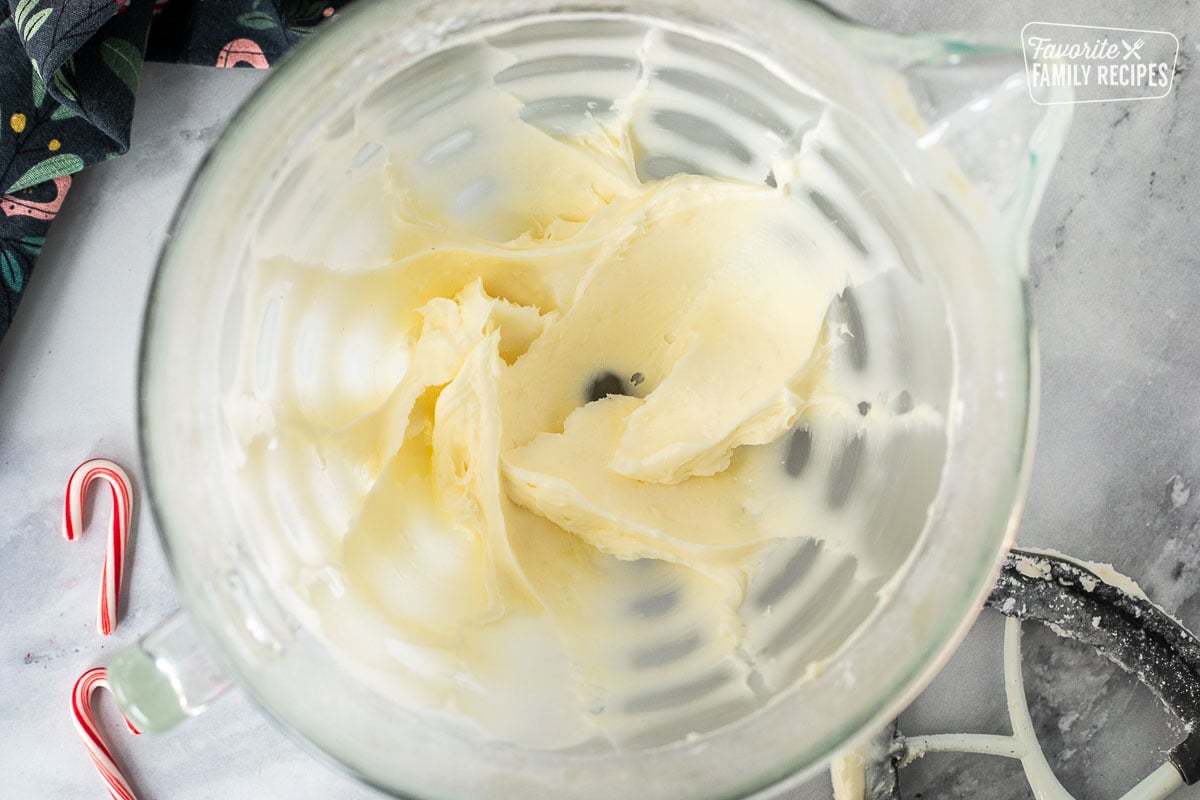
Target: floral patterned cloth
[[69, 71]]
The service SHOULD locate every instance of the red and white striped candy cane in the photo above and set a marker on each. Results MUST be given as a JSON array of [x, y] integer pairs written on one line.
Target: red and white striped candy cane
[[118, 538], [85, 722]]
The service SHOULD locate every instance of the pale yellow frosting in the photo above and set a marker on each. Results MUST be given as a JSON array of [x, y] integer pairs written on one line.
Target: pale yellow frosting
[[457, 512]]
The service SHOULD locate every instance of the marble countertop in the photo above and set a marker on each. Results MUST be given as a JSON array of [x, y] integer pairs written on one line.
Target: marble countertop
[[1116, 295]]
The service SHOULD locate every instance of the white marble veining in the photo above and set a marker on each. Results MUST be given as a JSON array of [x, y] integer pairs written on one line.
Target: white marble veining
[[1117, 473]]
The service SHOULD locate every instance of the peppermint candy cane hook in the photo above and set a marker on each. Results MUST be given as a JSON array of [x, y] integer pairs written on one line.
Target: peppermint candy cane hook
[[85, 722], [118, 538]]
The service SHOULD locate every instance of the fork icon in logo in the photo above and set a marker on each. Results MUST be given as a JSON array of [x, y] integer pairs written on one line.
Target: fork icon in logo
[[1132, 49]]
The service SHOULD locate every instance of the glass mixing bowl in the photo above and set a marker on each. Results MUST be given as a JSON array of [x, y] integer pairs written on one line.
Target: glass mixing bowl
[[943, 158]]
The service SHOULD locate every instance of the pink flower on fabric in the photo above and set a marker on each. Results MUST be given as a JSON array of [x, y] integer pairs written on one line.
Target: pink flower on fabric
[[14, 206], [242, 51]]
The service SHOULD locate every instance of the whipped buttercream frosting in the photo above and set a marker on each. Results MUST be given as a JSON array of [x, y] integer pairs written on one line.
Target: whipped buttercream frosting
[[476, 440]]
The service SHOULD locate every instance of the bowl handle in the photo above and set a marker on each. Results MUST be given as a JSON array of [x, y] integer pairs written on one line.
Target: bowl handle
[[166, 677]]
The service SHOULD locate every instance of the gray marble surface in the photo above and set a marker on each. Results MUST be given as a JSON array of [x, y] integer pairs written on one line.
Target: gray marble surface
[[1116, 477]]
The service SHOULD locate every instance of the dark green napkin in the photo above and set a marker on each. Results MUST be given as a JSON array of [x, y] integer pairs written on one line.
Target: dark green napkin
[[69, 70]]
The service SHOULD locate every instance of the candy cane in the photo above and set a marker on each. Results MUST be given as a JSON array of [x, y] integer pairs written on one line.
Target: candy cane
[[85, 722], [114, 557]]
